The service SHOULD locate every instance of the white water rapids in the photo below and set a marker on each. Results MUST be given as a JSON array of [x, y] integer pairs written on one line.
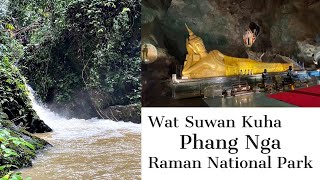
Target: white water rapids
[[86, 149]]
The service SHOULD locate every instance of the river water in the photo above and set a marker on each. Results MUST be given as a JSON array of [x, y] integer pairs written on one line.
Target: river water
[[86, 149]]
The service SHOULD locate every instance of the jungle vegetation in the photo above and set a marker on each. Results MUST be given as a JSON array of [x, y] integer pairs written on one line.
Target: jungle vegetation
[[69, 47], [63, 49]]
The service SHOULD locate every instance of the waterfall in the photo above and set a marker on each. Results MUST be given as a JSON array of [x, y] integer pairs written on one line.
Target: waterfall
[[86, 149], [79, 128]]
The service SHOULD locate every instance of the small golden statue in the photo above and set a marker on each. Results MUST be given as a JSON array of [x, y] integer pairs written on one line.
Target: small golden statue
[[145, 53], [201, 64]]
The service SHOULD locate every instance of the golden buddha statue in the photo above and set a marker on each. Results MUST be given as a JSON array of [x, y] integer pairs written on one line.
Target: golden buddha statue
[[201, 64]]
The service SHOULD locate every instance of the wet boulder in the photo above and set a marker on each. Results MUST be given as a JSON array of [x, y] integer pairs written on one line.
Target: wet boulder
[[128, 113]]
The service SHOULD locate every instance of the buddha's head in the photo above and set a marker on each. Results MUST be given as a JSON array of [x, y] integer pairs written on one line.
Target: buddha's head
[[195, 44]]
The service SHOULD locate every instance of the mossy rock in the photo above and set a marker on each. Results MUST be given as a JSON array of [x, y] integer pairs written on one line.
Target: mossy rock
[[128, 113], [25, 154]]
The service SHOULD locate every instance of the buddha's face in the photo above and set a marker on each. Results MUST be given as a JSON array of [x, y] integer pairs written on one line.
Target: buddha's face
[[197, 46]]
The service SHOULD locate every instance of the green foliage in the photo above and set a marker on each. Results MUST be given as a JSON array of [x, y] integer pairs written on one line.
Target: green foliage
[[8, 141], [15, 107], [95, 49], [112, 33], [14, 100], [53, 72], [71, 47], [10, 27], [36, 21], [114, 68], [13, 176], [9, 47], [9, 156]]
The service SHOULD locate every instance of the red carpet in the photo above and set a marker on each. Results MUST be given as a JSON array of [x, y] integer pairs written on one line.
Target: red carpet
[[306, 97]]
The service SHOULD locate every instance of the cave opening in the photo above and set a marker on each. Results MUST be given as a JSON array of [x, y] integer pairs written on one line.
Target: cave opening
[[255, 28]]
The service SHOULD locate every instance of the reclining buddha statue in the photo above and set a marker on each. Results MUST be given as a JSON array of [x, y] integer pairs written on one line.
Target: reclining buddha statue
[[201, 64]]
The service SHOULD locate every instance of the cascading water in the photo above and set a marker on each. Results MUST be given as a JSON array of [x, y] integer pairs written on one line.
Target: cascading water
[[86, 149]]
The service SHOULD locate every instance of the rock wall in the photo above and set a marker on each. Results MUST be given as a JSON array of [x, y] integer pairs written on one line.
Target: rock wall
[[18, 118], [128, 113], [14, 102], [221, 24], [309, 50]]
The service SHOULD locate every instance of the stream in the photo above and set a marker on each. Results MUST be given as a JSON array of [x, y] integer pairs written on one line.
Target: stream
[[86, 149]]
